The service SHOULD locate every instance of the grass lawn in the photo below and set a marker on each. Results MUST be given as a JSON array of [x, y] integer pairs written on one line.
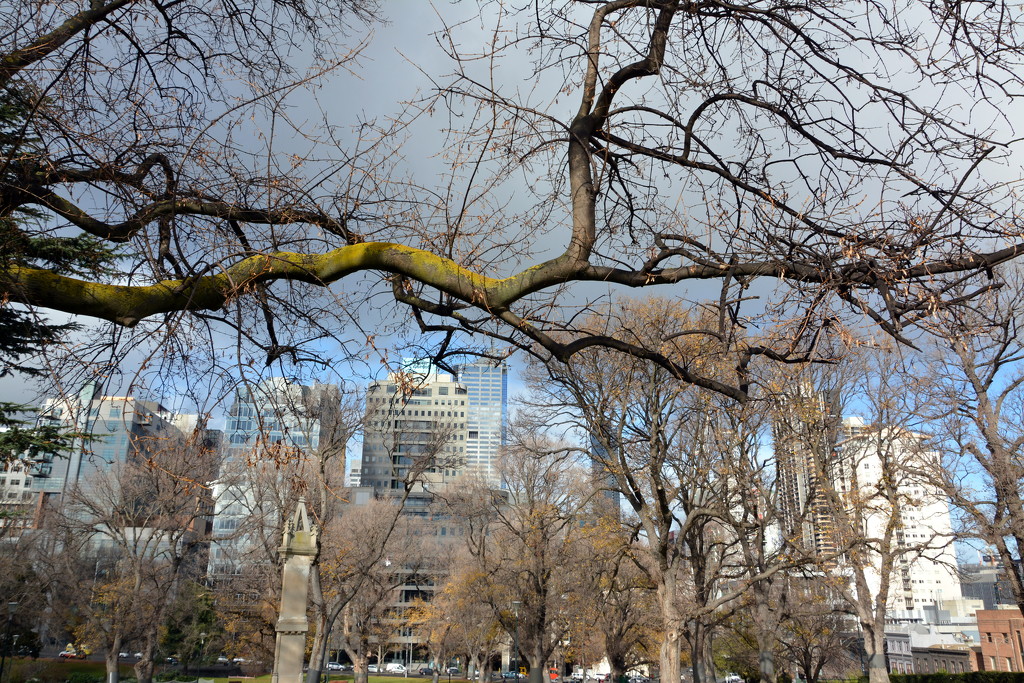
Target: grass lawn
[[334, 677], [55, 670], [341, 677]]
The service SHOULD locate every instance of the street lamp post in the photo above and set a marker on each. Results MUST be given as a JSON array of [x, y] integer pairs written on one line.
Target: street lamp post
[[11, 606], [515, 643]]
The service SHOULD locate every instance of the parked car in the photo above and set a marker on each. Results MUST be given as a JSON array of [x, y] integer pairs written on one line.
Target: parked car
[[426, 671], [371, 669], [394, 668], [334, 666], [223, 659], [71, 652]]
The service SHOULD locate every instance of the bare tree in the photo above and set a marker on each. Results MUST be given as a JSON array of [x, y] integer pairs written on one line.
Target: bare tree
[[351, 561], [814, 630], [751, 516], [364, 562], [972, 384], [145, 520], [437, 622], [522, 540], [617, 603], [705, 142], [873, 509], [458, 618], [682, 459]]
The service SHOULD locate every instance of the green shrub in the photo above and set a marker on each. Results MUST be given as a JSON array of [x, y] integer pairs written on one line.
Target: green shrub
[[968, 677], [84, 677]]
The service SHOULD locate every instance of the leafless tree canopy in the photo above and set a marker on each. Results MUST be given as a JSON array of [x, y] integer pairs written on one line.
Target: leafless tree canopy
[[853, 156]]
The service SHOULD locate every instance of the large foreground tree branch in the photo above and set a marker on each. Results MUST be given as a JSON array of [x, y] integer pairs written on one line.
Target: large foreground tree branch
[[129, 304]]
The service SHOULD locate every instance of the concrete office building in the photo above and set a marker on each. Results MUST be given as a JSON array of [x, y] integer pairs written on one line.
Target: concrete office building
[[411, 415], [460, 421]]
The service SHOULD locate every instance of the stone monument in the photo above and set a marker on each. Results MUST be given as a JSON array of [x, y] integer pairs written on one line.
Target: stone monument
[[298, 548]]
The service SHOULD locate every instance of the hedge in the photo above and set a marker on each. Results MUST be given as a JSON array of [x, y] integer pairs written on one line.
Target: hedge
[[968, 677]]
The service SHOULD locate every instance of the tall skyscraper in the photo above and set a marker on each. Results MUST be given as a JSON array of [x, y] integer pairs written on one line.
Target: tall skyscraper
[[803, 434], [816, 469], [486, 385]]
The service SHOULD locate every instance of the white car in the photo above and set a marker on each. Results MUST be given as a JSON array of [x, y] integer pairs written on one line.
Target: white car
[[334, 666], [394, 668], [371, 669]]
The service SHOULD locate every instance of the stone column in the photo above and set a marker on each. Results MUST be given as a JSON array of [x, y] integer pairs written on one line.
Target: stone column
[[298, 548]]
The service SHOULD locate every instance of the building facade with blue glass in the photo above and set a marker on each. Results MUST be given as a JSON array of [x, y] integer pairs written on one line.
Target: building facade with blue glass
[[486, 384], [269, 425]]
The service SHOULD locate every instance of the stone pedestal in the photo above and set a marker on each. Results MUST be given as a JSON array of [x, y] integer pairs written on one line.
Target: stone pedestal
[[298, 548]]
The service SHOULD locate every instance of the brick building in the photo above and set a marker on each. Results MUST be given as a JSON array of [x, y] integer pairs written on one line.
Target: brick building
[[1002, 639]]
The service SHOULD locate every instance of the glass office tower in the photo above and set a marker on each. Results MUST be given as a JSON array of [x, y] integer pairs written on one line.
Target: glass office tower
[[486, 385]]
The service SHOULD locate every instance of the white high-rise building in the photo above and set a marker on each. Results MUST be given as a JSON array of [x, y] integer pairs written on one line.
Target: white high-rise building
[[871, 457]]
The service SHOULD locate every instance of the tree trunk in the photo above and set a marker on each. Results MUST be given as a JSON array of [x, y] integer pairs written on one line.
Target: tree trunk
[[874, 651], [113, 675], [618, 667], [668, 655], [700, 651], [537, 660], [318, 657], [359, 665], [144, 669], [765, 629]]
